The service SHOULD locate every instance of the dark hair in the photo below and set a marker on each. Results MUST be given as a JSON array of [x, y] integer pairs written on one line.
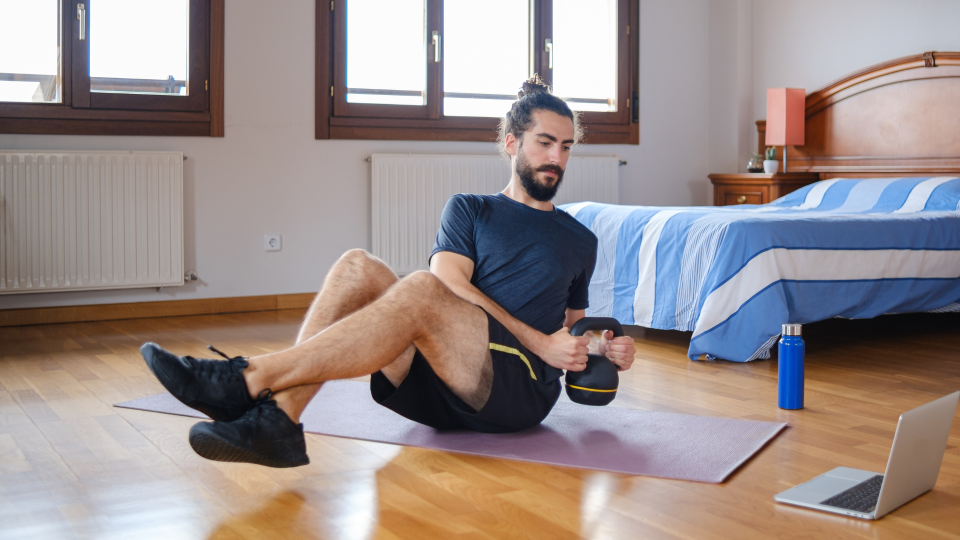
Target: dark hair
[[534, 95]]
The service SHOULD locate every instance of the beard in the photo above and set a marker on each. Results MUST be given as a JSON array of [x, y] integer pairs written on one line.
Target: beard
[[527, 174]]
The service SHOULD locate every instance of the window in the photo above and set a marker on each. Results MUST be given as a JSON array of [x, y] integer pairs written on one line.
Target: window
[[449, 69], [112, 67]]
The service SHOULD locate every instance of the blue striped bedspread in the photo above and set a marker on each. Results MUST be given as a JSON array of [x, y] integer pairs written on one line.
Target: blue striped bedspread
[[854, 248]]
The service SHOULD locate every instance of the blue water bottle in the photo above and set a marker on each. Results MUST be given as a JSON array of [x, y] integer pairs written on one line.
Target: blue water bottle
[[790, 378]]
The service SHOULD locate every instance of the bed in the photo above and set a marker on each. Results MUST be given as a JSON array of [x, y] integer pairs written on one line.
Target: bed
[[879, 233]]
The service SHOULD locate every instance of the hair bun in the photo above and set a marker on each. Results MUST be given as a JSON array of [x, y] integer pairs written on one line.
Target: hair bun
[[533, 85]]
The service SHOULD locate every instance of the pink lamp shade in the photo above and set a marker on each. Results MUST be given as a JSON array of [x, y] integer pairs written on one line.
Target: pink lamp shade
[[785, 116]]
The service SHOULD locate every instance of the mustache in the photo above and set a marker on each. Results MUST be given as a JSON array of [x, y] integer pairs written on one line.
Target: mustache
[[555, 169]]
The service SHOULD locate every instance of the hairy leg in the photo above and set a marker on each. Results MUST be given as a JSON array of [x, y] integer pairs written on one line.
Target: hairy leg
[[354, 281], [419, 310]]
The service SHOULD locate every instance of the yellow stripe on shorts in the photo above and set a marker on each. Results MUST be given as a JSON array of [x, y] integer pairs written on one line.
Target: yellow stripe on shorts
[[511, 350]]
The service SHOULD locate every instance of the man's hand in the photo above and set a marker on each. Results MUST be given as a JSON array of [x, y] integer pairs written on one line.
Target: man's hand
[[620, 350], [563, 351]]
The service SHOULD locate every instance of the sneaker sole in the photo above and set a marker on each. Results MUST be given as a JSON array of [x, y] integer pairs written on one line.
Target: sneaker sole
[[216, 449]]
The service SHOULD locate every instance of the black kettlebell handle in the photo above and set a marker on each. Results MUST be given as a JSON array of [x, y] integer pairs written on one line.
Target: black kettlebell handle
[[596, 323]]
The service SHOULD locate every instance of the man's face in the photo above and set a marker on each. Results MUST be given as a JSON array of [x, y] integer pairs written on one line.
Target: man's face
[[542, 154]]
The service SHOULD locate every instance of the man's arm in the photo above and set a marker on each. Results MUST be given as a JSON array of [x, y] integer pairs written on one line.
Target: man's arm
[[560, 350], [573, 315]]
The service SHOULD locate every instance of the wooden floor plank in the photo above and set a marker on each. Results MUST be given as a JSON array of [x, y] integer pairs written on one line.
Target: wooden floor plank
[[74, 466]]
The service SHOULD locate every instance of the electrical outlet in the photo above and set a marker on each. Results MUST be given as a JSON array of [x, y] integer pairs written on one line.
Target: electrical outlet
[[272, 242]]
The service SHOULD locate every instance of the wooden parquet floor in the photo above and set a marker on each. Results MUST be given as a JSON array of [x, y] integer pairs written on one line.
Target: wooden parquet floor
[[73, 466]]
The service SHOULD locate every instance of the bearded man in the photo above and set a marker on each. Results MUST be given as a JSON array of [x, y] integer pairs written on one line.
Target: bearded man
[[479, 342]]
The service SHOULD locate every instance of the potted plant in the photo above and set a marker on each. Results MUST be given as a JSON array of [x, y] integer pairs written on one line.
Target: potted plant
[[771, 165]]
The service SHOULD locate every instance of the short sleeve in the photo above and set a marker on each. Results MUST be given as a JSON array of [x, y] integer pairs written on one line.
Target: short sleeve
[[457, 223], [578, 298]]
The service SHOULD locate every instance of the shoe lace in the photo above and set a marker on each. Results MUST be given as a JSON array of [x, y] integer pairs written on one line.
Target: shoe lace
[[222, 372], [263, 397], [221, 353]]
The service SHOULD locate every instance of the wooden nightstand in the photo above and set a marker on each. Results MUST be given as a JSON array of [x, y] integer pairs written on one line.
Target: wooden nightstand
[[756, 188]]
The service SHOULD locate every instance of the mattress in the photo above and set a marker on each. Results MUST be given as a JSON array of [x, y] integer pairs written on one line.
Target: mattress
[[855, 248]]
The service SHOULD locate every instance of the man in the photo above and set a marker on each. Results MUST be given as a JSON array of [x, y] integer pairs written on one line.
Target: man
[[479, 342]]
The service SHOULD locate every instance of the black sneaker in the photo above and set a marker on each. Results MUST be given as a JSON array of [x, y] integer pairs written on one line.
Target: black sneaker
[[213, 387], [264, 436]]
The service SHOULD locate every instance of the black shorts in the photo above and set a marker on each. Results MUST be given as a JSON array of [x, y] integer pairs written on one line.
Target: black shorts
[[519, 399]]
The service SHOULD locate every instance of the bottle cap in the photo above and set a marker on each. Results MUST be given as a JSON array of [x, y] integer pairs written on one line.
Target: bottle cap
[[791, 329]]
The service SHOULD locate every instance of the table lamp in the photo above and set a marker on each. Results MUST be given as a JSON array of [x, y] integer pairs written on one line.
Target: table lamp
[[785, 118]]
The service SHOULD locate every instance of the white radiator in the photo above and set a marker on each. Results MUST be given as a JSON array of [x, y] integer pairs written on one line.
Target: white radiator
[[408, 193], [90, 220]]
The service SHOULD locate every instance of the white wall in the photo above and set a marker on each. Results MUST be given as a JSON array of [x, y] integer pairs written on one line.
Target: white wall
[[731, 85], [811, 43], [269, 175], [704, 69], [760, 44]]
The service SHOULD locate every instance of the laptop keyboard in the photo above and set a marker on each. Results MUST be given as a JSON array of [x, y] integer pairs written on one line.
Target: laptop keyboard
[[861, 497]]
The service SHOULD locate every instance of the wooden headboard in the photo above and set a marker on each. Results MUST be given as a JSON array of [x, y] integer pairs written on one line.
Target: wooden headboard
[[898, 118]]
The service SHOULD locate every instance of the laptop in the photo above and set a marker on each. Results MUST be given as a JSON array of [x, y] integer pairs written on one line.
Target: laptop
[[915, 457]]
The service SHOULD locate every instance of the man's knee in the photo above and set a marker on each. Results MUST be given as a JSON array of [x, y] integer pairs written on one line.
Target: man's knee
[[422, 294], [426, 284], [358, 256], [358, 264]]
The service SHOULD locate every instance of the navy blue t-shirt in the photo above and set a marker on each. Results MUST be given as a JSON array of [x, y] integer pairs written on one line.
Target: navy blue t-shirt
[[533, 263]]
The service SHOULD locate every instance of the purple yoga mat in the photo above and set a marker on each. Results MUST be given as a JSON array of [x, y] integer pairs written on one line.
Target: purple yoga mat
[[615, 439]]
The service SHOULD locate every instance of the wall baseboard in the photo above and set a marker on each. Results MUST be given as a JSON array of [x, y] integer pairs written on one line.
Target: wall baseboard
[[146, 310]]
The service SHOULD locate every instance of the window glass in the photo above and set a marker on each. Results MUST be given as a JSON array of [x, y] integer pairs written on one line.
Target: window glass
[[30, 51], [386, 52], [127, 56], [585, 53], [485, 55]]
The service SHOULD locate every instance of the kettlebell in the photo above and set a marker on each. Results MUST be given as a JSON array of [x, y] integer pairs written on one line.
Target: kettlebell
[[597, 384]]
